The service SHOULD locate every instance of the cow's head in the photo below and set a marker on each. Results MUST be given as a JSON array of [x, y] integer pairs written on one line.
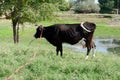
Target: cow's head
[[39, 32]]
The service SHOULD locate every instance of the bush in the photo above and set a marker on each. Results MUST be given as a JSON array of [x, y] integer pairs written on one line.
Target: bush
[[46, 11], [64, 6], [106, 6], [105, 10], [86, 7]]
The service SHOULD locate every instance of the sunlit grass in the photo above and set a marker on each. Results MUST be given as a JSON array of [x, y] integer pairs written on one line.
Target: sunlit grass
[[48, 66], [105, 31]]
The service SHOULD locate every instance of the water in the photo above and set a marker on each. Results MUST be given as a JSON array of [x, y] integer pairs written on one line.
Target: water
[[102, 45]]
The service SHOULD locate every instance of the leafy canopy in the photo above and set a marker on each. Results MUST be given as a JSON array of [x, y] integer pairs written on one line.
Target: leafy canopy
[[106, 6], [28, 10]]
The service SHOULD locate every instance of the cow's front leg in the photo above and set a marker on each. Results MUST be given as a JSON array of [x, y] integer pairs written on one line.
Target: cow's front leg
[[59, 48]]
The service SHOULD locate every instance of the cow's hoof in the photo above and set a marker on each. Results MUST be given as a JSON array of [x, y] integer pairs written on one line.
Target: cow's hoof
[[86, 57]]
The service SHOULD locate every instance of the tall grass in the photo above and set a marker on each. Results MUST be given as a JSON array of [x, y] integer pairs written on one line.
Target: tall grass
[[48, 66]]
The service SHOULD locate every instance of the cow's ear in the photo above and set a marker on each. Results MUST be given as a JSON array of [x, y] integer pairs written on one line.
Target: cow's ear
[[40, 27]]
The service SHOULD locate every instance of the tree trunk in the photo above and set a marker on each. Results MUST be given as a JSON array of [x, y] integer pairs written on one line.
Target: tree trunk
[[18, 22], [18, 19], [18, 33], [14, 22], [14, 34]]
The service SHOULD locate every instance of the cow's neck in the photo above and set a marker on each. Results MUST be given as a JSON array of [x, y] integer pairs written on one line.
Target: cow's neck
[[44, 34]]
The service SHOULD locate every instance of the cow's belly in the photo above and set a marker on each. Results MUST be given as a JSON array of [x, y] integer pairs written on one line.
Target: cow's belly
[[54, 41], [73, 40]]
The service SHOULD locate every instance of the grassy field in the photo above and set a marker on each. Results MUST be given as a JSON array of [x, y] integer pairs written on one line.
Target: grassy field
[[42, 62]]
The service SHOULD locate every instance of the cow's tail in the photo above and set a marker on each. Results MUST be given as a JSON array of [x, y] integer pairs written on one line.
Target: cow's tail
[[92, 27], [89, 28]]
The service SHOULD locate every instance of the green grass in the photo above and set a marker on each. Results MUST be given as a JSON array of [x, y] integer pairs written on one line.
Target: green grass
[[104, 31], [48, 66]]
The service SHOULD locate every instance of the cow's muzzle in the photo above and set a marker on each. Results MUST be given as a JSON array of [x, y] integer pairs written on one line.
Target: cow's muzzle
[[36, 36]]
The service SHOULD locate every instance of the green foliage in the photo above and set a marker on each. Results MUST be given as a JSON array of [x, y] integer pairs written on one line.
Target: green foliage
[[28, 10], [45, 11], [32, 10], [64, 6], [117, 4], [82, 0], [86, 7], [71, 3], [106, 6]]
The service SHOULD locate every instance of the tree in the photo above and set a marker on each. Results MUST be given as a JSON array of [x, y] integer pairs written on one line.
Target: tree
[[62, 5], [20, 11], [71, 3], [86, 6], [106, 6], [117, 5], [80, 0]]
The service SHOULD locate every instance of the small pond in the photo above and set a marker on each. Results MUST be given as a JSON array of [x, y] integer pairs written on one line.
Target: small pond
[[102, 45]]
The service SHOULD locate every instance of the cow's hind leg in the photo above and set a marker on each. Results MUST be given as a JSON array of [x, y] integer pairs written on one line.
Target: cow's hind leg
[[61, 51], [88, 44], [93, 48], [88, 51]]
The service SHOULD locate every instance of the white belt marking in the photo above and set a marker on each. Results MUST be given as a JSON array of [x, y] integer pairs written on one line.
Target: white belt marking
[[84, 27]]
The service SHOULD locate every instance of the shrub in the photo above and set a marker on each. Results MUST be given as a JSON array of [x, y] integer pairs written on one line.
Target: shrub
[[106, 6], [64, 6], [86, 7], [46, 10]]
